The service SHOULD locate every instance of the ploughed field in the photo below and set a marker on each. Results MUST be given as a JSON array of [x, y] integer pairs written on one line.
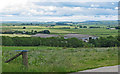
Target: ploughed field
[[59, 59]]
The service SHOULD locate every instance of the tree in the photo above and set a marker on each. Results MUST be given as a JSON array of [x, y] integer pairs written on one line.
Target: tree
[[84, 26], [46, 31], [22, 24], [31, 24], [35, 32], [80, 26], [7, 41], [52, 25], [24, 27], [74, 42], [118, 27], [31, 31], [94, 27]]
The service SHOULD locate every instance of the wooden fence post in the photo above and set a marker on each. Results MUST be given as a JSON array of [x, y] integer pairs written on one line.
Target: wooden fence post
[[25, 58]]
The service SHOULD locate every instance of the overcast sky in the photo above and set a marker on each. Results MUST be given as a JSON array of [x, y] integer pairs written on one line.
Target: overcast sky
[[62, 10]]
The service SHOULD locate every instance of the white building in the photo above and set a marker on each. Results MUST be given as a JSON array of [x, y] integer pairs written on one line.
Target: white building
[[82, 37]]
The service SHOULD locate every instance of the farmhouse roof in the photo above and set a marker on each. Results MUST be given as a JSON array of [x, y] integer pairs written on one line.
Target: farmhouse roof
[[78, 35]]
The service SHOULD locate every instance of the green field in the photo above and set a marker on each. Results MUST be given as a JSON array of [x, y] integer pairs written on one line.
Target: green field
[[101, 32], [59, 59]]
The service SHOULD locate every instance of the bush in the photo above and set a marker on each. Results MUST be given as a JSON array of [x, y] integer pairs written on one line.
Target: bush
[[84, 26], [46, 32], [24, 27]]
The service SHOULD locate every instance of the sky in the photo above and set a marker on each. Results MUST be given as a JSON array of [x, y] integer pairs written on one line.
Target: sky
[[58, 10]]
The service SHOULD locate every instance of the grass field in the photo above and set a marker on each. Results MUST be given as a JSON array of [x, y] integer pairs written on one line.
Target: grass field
[[101, 32], [59, 59]]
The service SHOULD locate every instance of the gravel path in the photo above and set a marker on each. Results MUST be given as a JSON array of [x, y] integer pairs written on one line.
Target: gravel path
[[103, 69]]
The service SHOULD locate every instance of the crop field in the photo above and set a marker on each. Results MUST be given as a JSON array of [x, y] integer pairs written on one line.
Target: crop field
[[101, 32], [14, 35], [59, 59]]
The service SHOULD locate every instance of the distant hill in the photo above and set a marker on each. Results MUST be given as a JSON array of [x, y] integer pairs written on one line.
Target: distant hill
[[100, 23], [97, 23]]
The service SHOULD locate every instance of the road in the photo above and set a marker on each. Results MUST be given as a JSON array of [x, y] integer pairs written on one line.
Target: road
[[103, 69]]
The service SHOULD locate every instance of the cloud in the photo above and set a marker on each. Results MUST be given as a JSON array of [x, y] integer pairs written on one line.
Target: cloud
[[95, 5], [116, 8], [79, 4], [64, 18], [35, 10], [7, 3], [58, 11], [74, 0]]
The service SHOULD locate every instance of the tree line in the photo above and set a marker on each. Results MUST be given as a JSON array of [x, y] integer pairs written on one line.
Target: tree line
[[59, 42], [106, 41], [27, 32], [37, 41]]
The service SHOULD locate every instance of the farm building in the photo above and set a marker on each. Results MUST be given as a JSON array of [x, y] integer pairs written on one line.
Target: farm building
[[44, 35], [82, 37], [111, 28]]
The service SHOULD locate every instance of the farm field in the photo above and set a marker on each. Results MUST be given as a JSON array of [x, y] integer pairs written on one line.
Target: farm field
[[14, 35], [101, 32], [59, 59], [52, 36]]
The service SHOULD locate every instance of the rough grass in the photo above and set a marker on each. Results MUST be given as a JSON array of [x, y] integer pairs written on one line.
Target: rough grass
[[0, 59], [59, 59]]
